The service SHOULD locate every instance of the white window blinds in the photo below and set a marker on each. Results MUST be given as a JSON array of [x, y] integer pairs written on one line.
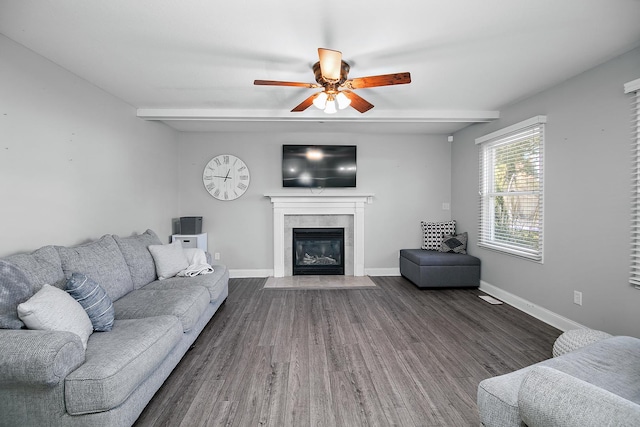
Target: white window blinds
[[634, 88], [511, 189]]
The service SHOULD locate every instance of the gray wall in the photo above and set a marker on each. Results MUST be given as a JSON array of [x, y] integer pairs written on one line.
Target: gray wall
[[587, 200], [75, 162], [409, 174]]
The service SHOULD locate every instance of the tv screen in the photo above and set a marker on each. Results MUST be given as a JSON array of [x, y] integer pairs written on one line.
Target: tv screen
[[319, 166]]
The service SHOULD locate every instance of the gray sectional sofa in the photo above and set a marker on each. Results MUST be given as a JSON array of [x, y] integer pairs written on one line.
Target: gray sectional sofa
[[48, 378]]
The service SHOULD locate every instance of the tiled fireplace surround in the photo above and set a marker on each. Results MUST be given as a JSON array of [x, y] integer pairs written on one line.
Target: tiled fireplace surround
[[326, 209]]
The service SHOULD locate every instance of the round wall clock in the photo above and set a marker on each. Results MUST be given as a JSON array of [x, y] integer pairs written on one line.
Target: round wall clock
[[226, 177]]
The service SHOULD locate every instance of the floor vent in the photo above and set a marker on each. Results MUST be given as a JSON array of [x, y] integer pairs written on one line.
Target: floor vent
[[490, 300]]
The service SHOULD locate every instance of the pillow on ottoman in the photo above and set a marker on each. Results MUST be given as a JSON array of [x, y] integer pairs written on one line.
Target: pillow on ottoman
[[433, 233], [456, 244], [15, 288]]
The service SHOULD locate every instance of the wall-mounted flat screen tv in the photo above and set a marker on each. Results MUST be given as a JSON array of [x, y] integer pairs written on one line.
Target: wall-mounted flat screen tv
[[319, 166]]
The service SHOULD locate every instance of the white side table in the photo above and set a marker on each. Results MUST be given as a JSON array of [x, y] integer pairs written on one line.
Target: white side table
[[192, 240]]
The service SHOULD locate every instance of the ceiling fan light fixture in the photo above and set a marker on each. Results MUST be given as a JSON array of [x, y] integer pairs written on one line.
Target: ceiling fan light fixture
[[321, 100], [331, 106], [330, 63], [331, 74], [343, 100]]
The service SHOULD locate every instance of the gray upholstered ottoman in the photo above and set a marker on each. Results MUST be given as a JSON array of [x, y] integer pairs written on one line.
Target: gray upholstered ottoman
[[433, 269]]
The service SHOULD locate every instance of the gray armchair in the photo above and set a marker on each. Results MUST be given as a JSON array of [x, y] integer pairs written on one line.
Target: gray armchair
[[549, 397], [596, 385]]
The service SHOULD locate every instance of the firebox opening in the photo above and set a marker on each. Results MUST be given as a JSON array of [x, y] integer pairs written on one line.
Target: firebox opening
[[318, 251]]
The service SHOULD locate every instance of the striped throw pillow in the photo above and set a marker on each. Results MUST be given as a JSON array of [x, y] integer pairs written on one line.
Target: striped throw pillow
[[95, 301]]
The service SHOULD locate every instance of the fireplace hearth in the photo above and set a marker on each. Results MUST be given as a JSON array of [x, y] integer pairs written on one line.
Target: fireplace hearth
[[318, 251]]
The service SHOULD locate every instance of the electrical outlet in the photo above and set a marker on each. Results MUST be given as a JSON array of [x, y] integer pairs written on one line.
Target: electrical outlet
[[446, 206], [577, 297], [216, 255]]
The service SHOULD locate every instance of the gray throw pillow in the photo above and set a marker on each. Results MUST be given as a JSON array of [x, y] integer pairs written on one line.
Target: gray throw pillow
[[456, 244], [93, 299], [15, 288], [170, 259]]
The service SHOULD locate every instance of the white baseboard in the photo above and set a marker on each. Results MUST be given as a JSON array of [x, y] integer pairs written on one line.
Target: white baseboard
[[247, 273], [393, 271], [540, 313]]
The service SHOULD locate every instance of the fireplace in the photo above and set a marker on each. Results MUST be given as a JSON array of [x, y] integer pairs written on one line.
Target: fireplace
[[299, 209], [318, 251]]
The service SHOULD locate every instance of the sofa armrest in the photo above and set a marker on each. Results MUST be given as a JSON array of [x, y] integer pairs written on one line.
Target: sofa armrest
[[551, 397], [38, 357]]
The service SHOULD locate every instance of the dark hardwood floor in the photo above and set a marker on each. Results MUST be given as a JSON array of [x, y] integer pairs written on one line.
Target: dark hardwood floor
[[396, 355]]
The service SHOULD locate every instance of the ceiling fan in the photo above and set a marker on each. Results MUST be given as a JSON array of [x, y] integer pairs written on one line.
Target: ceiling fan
[[331, 75]]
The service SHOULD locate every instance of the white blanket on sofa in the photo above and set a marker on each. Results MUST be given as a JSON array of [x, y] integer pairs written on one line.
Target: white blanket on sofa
[[197, 263]]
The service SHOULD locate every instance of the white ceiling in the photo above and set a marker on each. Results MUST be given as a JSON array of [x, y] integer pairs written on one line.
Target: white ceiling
[[177, 60]]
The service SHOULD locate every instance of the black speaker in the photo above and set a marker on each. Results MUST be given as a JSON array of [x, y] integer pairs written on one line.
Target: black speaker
[[190, 224]]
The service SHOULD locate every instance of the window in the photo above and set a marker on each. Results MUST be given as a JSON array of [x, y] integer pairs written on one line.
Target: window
[[511, 189], [634, 88]]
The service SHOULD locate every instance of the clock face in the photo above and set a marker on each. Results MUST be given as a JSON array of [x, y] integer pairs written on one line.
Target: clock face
[[226, 177]]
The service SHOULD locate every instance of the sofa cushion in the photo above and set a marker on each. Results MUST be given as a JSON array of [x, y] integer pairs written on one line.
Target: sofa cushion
[[135, 250], [15, 288], [117, 362], [612, 364], [102, 261], [41, 266], [93, 299], [437, 258], [52, 309], [432, 233], [214, 282], [169, 259], [186, 303]]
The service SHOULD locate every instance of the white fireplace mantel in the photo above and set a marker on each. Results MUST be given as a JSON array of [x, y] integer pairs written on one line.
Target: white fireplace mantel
[[324, 203]]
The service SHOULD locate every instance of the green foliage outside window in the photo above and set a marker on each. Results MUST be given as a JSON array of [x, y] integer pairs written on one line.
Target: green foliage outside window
[[516, 198]]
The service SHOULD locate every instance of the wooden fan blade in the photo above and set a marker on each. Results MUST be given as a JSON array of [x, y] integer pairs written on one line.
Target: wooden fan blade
[[358, 102], [375, 81], [305, 104], [279, 83], [330, 63]]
